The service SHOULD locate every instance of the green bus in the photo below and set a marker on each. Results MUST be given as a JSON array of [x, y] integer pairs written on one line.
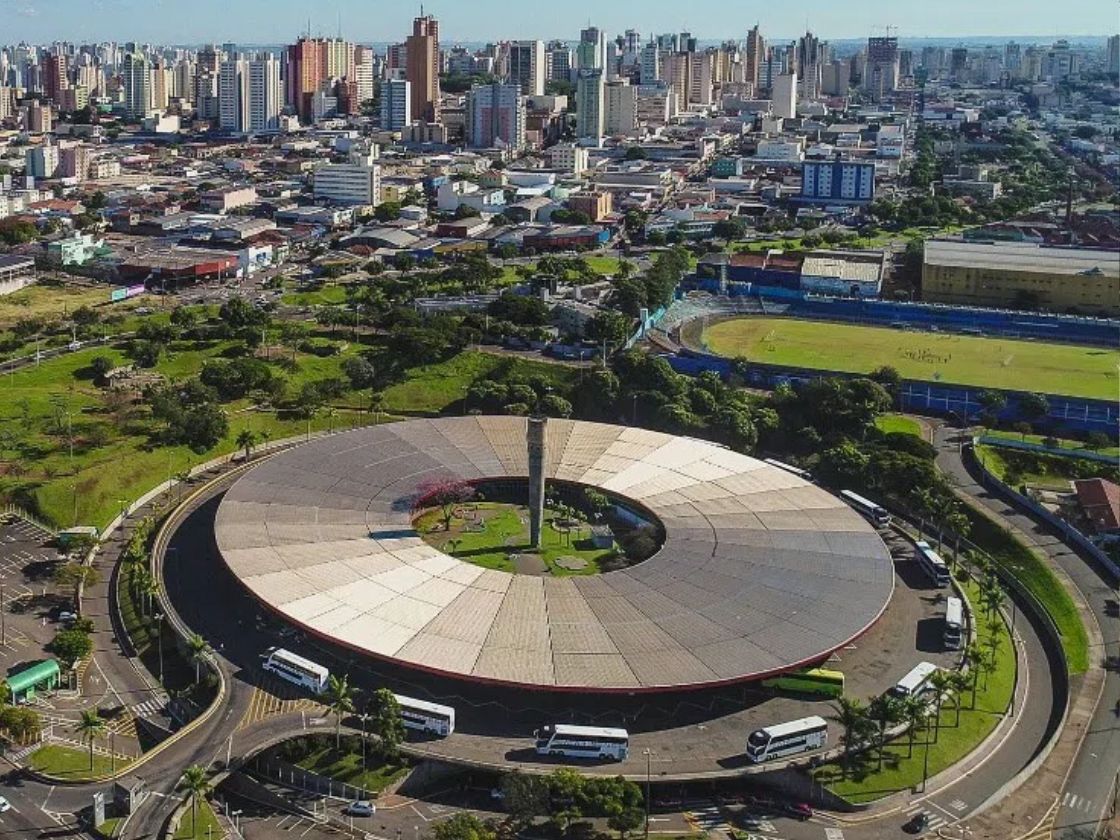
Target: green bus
[[819, 681]]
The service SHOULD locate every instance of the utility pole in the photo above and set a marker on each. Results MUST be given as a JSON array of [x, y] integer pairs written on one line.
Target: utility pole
[[648, 753]]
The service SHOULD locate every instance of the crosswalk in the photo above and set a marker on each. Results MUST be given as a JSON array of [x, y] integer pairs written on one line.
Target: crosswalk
[[154, 706], [708, 818], [1078, 803], [935, 820]]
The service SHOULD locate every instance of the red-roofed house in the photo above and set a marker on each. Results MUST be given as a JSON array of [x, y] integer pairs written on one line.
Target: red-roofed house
[[1100, 501]]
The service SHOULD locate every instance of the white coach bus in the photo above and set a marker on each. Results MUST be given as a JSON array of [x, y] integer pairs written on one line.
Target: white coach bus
[[425, 716], [296, 669], [785, 739], [583, 741]]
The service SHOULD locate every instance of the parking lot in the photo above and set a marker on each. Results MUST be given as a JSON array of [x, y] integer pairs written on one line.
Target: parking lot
[[31, 602]]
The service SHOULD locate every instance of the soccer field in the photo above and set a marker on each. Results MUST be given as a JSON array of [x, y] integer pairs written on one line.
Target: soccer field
[[945, 357]]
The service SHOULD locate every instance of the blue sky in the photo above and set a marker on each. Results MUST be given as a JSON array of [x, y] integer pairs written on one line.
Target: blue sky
[[275, 21]]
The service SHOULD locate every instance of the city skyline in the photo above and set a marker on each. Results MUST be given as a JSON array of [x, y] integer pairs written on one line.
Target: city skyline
[[251, 22]]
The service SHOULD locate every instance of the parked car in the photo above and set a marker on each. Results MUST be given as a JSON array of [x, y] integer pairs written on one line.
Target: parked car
[[751, 822], [361, 808], [5, 805]]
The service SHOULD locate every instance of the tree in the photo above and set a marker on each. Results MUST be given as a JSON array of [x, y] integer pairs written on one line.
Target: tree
[[90, 727], [197, 649], [730, 229], [636, 153], [77, 575], [71, 646], [1023, 428], [524, 796], [340, 701], [195, 784], [1034, 406], [886, 711], [607, 327], [246, 440], [976, 663], [22, 723], [913, 711], [851, 714], [388, 725], [625, 820], [446, 494], [387, 211], [360, 371], [553, 405], [464, 826], [101, 365]]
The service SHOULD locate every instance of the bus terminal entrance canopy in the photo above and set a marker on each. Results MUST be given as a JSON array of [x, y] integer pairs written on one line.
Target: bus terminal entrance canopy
[[25, 683]]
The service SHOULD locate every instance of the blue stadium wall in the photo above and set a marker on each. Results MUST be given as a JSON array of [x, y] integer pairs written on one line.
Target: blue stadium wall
[[935, 398]]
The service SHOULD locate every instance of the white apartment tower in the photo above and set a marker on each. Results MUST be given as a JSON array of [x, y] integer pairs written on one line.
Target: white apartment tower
[[621, 112], [266, 95], [590, 116], [496, 117], [784, 95]]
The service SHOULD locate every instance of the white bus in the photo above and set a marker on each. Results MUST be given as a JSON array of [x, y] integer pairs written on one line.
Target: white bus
[[878, 514], [296, 669], [786, 739], [424, 716], [789, 468], [914, 683], [932, 564], [582, 741], [954, 624]]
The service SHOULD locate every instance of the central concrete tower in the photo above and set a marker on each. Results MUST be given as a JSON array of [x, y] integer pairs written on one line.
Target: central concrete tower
[[535, 439]]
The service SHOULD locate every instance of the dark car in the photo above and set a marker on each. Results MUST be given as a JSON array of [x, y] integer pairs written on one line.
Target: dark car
[[797, 810], [751, 822], [917, 824]]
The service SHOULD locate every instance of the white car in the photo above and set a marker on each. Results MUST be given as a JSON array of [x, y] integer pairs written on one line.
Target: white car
[[361, 808], [5, 805]]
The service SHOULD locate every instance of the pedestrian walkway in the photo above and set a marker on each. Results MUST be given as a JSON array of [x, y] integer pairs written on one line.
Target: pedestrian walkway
[[149, 708], [272, 698], [708, 818]]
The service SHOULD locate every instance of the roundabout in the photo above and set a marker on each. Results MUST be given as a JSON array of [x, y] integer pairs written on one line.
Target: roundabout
[[759, 572]]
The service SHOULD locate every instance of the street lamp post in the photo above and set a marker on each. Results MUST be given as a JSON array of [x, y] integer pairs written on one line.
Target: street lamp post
[[648, 753], [159, 642]]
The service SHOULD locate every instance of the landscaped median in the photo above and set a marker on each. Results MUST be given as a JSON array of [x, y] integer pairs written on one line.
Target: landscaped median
[[951, 738], [72, 764]]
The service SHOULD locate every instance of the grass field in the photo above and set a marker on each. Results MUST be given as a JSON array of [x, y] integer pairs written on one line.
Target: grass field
[[347, 767], [202, 825], [495, 530], [897, 423], [1041, 440], [902, 766], [965, 360], [50, 302], [70, 762]]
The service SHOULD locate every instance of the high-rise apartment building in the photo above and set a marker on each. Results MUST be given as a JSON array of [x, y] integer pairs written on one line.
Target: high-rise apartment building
[[649, 63], [496, 116], [136, 81], [55, 75], [527, 66], [590, 116], [1112, 59], [73, 161], [161, 85], [591, 53], [307, 72], [621, 111], [266, 95], [422, 68], [364, 73], [233, 94], [558, 62], [881, 74], [784, 95], [396, 104], [756, 50]]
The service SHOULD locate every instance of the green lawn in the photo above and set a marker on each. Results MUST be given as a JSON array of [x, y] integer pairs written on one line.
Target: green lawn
[[892, 423], [966, 360], [994, 462], [1037, 577], [492, 530], [348, 768], [70, 762], [1063, 443], [110, 827], [115, 459], [903, 769], [329, 295], [201, 826], [435, 389]]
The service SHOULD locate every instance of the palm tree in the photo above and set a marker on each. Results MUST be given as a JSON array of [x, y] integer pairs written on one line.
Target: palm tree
[[992, 644], [340, 701], [851, 714], [197, 648], [958, 685], [885, 710], [194, 782], [976, 662], [914, 713], [940, 681], [246, 439], [376, 405], [90, 727]]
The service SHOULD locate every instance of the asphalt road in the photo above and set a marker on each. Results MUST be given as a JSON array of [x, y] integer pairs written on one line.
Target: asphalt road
[[1088, 795]]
